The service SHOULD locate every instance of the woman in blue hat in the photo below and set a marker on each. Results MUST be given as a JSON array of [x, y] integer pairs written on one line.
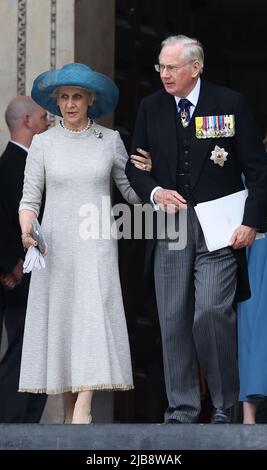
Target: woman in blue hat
[[75, 338]]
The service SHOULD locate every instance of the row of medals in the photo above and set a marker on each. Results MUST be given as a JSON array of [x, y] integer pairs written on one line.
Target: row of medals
[[215, 126]]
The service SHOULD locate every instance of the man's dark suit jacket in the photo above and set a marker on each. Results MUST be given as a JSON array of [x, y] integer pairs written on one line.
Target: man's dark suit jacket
[[14, 406], [12, 165], [155, 131]]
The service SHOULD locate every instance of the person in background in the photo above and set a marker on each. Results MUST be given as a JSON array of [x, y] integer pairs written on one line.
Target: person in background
[[24, 119], [252, 327], [201, 138]]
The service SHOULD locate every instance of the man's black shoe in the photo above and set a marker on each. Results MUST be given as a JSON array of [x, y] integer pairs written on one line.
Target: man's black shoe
[[221, 416]]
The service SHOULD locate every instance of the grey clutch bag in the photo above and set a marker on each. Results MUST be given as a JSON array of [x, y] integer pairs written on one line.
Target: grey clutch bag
[[38, 236]]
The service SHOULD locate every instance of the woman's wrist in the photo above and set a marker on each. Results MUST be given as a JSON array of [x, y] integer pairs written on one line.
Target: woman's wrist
[[25, 235]]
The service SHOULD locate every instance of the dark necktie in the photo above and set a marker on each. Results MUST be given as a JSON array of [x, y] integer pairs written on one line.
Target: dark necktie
[[184, 105]]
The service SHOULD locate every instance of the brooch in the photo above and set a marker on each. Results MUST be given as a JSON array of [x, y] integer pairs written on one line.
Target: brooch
[[98, 133], [219, 155]]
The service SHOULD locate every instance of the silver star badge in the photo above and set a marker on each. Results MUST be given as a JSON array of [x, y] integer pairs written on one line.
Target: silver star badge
[[219, 155]]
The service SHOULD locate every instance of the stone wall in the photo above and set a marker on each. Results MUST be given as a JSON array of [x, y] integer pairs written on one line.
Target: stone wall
[[35, 35]]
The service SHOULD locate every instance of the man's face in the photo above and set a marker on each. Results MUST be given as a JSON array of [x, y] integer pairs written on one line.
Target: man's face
[[38, 120], [178, 76]]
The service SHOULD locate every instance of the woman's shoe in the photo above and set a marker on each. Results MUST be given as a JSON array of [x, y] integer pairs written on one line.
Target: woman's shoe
[[82, 419]]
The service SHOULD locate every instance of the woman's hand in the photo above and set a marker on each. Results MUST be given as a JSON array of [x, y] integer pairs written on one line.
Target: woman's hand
[[27, 240], [144, 162]]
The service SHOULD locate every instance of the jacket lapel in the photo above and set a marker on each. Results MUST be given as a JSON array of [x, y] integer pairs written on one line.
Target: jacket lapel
[[200, 147], [166, 128]]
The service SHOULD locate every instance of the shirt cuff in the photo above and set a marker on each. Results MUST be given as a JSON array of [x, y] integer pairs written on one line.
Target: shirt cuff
[[155, 206]]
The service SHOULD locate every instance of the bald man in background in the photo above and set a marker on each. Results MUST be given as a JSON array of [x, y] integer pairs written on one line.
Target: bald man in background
[[24, 119]]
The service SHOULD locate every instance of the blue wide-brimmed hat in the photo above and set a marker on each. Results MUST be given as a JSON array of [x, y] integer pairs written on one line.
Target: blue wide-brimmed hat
[[75, 74]]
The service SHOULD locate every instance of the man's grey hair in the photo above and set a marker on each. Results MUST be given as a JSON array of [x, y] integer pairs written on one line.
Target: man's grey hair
[[192, 48]]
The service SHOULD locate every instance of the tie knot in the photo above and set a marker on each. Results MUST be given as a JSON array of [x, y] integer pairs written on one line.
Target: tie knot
[[184, 103]]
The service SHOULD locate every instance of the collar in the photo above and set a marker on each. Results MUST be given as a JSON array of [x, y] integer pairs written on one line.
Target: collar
[[193, 95], [20, 145]]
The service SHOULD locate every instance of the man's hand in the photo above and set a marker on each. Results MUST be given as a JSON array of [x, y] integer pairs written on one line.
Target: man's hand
[[142, 163], [169, 200], [243, 236], [17, 271], [13, 279], [8, 281]]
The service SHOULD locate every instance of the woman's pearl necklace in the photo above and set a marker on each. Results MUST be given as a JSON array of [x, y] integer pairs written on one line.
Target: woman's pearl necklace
[[89, 123]]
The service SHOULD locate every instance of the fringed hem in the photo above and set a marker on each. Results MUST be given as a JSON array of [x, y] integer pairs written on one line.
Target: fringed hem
[[83, 388]]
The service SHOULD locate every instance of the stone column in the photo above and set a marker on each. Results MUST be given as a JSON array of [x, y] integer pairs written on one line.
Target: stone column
[[35, 35]]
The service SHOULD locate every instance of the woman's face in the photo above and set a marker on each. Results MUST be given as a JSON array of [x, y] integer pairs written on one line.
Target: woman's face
[[73, 103]]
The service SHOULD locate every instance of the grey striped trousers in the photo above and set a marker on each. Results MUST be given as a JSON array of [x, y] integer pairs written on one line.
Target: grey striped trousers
[[195, 291]]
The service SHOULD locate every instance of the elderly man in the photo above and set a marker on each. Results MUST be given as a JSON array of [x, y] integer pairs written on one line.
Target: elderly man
[[189, 128], [24, 119]]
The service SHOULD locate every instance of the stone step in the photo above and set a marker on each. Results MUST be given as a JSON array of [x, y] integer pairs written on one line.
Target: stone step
[[133, 437]]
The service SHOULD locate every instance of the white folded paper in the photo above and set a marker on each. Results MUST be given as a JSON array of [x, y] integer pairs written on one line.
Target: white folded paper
[[33, 259], [220, 217]]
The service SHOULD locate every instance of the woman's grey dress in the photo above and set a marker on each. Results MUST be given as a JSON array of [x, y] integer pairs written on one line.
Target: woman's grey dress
[[75, 332]]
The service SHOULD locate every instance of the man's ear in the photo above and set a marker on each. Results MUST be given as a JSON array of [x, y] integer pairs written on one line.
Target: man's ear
[[26, 120], [196, 69]]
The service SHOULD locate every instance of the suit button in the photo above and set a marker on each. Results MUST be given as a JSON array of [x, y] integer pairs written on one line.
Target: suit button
[[186, 163], [186, 152]]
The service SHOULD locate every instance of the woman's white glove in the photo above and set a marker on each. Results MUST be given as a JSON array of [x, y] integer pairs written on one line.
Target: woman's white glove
[[33, 259]]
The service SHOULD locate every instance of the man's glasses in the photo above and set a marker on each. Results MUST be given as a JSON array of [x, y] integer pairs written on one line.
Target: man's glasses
[[170, 68]]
